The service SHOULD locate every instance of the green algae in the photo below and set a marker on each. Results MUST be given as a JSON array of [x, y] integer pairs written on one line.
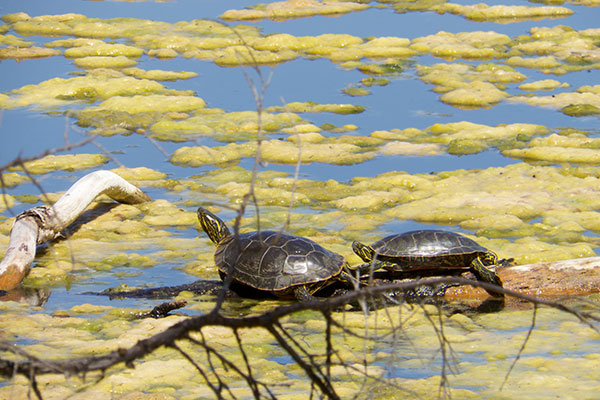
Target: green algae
[[354, 92], [312, 107], [96, 84], [67, 162], [11, 179], [580, 110], [584, 98], [104, 62], [159, 75], [465, 86], [551, 211], [7, 201], [466, 45], [545, 84], [474, 95], [276, 151], [148, 103], [234, 56], [505, 14], [19, 53], [228, 126], [362, 352], [458, 138], [12, 40], [284, 10], [101, 49], [371, 81]]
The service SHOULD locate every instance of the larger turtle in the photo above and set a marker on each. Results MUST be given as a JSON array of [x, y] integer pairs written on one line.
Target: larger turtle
[[429, 249], [282, 264]]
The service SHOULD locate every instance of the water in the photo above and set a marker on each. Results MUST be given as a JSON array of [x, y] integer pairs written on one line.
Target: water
[[405, 102]]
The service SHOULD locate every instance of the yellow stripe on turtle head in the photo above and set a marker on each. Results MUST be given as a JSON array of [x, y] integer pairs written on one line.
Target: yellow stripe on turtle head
[[363, 251], [214, 226]]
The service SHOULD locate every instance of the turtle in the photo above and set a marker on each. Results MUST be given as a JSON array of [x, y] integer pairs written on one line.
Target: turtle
[[429, 249], [283, 264]]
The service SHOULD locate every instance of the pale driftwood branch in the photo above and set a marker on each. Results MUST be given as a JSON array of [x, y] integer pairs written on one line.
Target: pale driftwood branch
[[40, 224]]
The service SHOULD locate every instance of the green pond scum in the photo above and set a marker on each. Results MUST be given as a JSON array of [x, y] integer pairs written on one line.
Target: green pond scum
[[542, 204]]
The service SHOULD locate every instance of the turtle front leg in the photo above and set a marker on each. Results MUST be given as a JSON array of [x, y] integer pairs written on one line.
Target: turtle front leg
[[486, 273], [374, 266], [303, 295]]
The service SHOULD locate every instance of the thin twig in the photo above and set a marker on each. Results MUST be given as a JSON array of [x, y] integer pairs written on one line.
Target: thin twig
[[520, 352]]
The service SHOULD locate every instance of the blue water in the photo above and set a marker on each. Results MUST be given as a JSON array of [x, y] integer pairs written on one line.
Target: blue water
[[405, 102]]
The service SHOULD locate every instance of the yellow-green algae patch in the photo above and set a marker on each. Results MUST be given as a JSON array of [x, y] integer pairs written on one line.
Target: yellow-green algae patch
[[96, 84], [164, 213], [473, 339], [542, 191], [80, 26], [67, 162], [277, 151], [227, 125], [265, 195], [544, 84], [104, 62], [283, 10], [234, 56], [311, 107], [466, 86], [556, 154], [458, 137], [500, 13], [139, 174], [7, 201], [11, 179], [100, 48], [159, 75], [583, 96], [576, 48], [547, 62], [19, 53], [12, 40], [148, 103], [411, 149], [467, 45], [474, 95], [355, 92]]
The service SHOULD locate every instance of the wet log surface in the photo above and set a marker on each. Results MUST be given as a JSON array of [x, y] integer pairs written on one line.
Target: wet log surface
[[574, 277]]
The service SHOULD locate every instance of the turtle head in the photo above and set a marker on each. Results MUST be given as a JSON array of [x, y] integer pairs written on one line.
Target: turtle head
[[363, 251], [489, 258], [214, 226]]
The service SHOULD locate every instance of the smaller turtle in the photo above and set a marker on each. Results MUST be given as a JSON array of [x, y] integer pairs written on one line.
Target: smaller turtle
[[282, 264], [426, 250]]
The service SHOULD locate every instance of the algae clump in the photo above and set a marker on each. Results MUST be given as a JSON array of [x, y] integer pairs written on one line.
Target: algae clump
[[67, 162], [283, 10]]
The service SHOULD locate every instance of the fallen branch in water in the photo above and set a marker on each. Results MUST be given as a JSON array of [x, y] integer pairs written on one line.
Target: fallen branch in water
[[574, 277], [40, 224], [162, 310]]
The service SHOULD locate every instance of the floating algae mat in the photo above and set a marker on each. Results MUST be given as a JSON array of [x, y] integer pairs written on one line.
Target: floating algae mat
[[410, 343], [505, 150]]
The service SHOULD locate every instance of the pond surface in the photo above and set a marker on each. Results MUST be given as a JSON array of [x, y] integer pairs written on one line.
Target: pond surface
[[518, 172]]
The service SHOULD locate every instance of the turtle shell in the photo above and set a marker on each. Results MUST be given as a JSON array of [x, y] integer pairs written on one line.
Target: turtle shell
[[276, 261], [428, 249]]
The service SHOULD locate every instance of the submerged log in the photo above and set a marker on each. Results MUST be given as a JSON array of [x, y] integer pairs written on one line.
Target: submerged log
[[40, 224], [574, 277]]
